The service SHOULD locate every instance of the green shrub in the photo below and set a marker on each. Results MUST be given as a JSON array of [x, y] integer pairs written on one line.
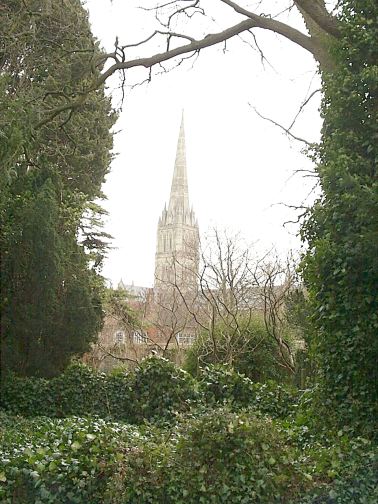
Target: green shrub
[[27, 396], [78, 391], [277, 401], [249, 350], [220, 384], [160, 389], [118, 397], [340, 266], [156, 389], [207, 456], [233, 457], [344, 472], [218, 457], [58, 461], [343, 468]]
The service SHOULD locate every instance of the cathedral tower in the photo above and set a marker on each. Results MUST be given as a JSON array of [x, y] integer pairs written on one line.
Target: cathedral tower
[[177, 247]]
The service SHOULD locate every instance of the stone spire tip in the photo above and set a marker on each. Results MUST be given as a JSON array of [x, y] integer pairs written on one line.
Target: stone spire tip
[[179, 189]]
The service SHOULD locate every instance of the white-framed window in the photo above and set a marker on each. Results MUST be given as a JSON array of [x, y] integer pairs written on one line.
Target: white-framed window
[[139, 337], [185, 339], [119, 337]]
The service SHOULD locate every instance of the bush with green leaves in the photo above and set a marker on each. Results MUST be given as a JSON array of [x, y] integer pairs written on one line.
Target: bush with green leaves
[[344, 471], [221, 384], [207, 455], [78, 391], [26, 396], [248, 349], [156, 389], [275, 400], [343, 468], [218, 456], [361, 487], [159, 390], [56, 461]]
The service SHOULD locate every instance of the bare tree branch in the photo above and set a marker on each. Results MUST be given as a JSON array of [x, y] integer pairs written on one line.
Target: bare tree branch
[[306, 101], [274, 25], [286, 130], [122, 359], [194, 46]]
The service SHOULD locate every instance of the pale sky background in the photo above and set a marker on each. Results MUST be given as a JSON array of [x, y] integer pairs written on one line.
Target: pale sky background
[[240, 168]]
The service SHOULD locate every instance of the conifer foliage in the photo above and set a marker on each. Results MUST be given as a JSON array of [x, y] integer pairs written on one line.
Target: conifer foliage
[[51, 175]]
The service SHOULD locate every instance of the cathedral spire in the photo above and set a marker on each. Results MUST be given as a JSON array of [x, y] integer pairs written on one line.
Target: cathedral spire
[[179, 198], [177, 243]]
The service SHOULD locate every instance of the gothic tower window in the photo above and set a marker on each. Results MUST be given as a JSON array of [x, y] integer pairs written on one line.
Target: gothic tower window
[[119, 337]]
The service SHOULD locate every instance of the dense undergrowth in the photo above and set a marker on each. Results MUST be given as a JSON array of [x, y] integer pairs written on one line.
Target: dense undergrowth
[[155, 390], [156, 435]]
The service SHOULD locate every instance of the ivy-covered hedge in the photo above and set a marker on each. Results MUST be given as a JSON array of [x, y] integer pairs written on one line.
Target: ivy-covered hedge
[[221, 384], [211, 455], [220, 438], [159, 390], [56, 461], [156, 390], [216, 457], [341, 262], [343, 471]]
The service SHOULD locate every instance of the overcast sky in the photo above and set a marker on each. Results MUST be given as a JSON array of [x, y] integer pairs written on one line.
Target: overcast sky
[[241, 169]]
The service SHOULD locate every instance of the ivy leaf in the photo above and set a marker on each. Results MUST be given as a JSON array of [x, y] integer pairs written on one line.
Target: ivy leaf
[[75, 446]]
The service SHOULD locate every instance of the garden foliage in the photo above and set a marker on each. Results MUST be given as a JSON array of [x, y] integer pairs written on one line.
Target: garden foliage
[[216, 457], [51, 240], [51, 461], [218, 438], [207, 456], [156, 389], [341, 265], [221, 384], [248, 349]]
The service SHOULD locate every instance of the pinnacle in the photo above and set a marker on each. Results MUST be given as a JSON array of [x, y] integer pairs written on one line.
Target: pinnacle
[[179, 198]]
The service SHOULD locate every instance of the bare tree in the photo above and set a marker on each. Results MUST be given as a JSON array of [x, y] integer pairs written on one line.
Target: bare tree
[[221, 298], [151, 322], [275, 279], [171, 320], [232, 289]]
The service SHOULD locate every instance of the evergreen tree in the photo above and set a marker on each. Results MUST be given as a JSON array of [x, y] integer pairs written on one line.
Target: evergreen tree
[[51, 254]]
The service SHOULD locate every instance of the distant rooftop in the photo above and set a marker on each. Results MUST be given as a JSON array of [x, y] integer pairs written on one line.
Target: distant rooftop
[[135, 290]]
